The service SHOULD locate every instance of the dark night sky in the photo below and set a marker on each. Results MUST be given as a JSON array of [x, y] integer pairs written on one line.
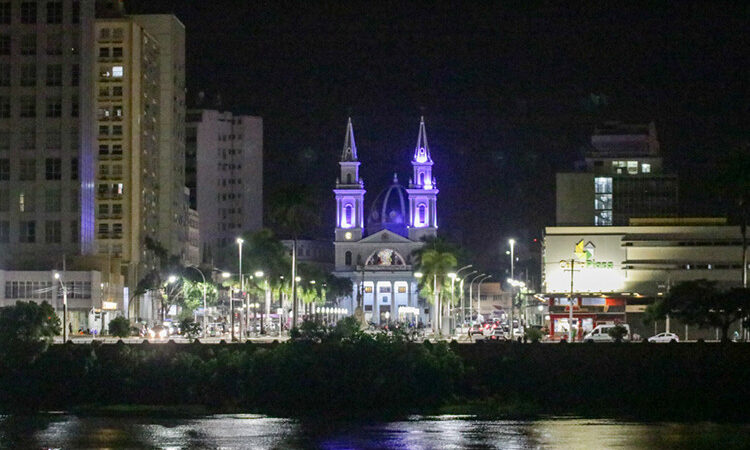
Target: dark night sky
[[510, 93]]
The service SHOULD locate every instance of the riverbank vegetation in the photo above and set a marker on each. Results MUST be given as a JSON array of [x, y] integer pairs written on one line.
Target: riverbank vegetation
[[343, 373]]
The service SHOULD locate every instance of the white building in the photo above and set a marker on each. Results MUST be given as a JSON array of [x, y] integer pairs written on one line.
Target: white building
[[617, 271], [89, 295], [377, 257], [225, 175]]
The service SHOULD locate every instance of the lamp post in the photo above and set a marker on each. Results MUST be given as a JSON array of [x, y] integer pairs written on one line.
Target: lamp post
[[461, 288], [240, 241], [452, 276], [65, 306], [453, 279], [266, 300], [479, 295], [471, 297], [205, 325]]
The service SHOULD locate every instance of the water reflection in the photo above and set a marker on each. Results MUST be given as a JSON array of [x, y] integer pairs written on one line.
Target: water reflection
[[444, 432]]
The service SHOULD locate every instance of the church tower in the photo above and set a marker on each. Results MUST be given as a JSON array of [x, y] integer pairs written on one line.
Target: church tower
[[422, 191], [350, 192]]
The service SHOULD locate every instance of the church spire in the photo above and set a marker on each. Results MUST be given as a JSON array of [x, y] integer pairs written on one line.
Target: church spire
[[350, 147], [422, 150]]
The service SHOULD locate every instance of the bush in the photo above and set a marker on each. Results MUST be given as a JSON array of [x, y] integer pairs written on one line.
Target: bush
[[534, 334], [189, 327], [119, 327], [618, 332]]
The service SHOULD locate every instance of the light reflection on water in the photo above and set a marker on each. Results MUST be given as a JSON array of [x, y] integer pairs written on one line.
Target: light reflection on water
[[443, 432]]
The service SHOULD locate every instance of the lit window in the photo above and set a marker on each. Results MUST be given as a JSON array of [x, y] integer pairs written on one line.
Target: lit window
[[422, 213], [632, 167], [646, 168], [117, 71]]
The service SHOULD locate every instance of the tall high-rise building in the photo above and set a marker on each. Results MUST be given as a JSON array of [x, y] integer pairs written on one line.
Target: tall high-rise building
[[127, 88], [173, 210], [46, 133], [622, 178], [224, 172]]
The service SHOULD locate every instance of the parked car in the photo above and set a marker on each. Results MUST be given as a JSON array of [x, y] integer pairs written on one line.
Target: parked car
[[664, 337], [496, 334], [476, 329], [601, 333], [158, 332]]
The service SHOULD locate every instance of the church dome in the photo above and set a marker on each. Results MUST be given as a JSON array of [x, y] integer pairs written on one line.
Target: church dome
[[389, 210]]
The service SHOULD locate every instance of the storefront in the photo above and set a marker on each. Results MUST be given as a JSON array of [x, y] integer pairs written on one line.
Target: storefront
[[588, 312]]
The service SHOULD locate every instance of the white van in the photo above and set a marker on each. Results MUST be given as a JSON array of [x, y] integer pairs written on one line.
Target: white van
[[601, 333]]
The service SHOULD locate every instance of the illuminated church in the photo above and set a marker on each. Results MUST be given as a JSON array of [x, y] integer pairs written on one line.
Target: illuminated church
[[374, 250]]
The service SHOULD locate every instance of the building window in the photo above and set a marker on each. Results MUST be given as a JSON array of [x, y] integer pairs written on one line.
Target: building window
[[4, 107], [603, 201], [4, 44], [28, 44], [54, 75], [117, 52], [4, 200], [646, 168], [53, 141], [4, 231], [75, 11], [54, 44], [75, 74], [116, 130], [74, 106], [4, 169], [104, 52], [422, 213], [28, 12], [28, 139], [74, 169], [74, 231], [28, 106], [5, 12], [52, 232], [54, 12], [28, 75], [117, 71], [27, 170], [54, 107], [5, 75], [27, 231], [348, 258], [52, 200], [632, 167], [53, 168], [348, 215]]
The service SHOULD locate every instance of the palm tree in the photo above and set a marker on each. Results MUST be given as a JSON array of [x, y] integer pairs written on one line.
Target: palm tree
[[294, 211], [435, 260]]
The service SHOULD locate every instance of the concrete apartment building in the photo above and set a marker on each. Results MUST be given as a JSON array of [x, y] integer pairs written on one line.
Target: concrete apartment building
[[622, 177], [224, 171], [80, 144]]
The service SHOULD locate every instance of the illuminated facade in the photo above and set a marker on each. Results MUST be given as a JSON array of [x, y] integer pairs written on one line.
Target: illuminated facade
[[622, 178], [617, 271], [376, 256]]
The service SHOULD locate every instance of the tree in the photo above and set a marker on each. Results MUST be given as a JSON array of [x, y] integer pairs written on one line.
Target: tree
[[435, 260], [119, 326], [701, 303], [618, 332], [156, 280], [26, 330], [294, 211], [189, 327]]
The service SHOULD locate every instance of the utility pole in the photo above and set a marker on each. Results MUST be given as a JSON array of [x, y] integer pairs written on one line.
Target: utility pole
[[572, 270]]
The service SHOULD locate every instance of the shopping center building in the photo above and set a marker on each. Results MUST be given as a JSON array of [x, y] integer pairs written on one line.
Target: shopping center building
[[612, 273]]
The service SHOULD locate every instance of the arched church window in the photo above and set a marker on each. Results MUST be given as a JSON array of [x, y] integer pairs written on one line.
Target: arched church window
[[348, 258], [348, 178], [422, 210], [421, 179], [348, 214]]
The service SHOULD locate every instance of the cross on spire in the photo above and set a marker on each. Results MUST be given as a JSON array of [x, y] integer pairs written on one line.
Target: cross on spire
[[422, 150], [350, 147]]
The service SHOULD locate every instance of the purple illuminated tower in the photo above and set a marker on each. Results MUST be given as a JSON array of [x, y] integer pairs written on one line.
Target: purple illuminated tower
[[350, 192], [422, 191]]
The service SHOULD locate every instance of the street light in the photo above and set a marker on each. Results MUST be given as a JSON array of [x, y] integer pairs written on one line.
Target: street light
[[479, 295], [65, 307], [240, 241], [463, 304], [205, 305], [453, 277], [471, 296], [266, 301]]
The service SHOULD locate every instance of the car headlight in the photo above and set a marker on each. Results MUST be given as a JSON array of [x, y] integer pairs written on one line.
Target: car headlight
[[151, 333], [163, 333]]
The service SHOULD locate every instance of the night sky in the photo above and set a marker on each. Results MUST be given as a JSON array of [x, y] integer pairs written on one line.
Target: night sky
[[510, 94]]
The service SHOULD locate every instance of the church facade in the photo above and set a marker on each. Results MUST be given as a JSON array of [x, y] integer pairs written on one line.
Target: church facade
[[375, 250]]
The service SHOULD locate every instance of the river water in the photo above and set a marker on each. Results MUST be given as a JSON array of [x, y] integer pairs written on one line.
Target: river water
[[439, 432]]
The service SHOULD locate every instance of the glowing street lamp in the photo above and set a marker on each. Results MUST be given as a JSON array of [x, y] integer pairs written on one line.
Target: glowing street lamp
[[65, 306], [239, 241]]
